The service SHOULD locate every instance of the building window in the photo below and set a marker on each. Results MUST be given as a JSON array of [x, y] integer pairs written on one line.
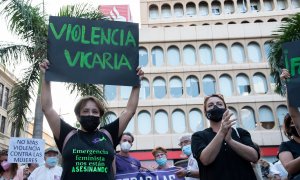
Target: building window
[[272, 83], [176, 89], [216, 7], [110, 117], [173, 56], [144, 122], [1, 93], [161, 122], [205, 53], [229, 7], [255, 5], [5, 98], [196, 120], [226, 86], [254, 53], [157, 56], [248, 118], [243, 85], [153, 12], [125, 92], [178, 10], [208, 84], [178, 121], [281, 113], [268, 5], [260, 83], [2, 125], [110, 92], [238, 53], [192, 86], [295, 4], [267, 48], [159, 88], [234, 116], [143, 57], [145, 89], [266, 117], [130, 126], [221, 54], [203, 8], [166, 11], [190, 9], [281, 5], [242, 6], [189, 55]]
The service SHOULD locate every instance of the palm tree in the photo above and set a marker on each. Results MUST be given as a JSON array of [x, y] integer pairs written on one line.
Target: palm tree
[[30, 25], [287, 32]]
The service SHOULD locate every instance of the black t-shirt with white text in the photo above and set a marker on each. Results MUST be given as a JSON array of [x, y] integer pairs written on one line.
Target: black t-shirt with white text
[[88, 155]]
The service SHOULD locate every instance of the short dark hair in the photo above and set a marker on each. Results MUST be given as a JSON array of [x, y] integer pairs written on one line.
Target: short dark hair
[[220, 96], [128, 134], [82, 102]]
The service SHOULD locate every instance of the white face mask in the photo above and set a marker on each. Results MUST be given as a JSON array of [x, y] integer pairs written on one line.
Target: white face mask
[[125, 146]]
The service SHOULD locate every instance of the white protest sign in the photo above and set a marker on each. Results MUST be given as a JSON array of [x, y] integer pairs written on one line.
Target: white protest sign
[[26, 150]]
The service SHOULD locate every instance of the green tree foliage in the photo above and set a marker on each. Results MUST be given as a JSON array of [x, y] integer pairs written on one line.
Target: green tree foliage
[[289, 31], [30, 24]]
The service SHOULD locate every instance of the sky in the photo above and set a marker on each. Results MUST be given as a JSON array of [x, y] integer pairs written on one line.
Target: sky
[[63, 102]]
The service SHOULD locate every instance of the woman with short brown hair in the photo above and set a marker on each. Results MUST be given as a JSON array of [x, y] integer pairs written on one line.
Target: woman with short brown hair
[[223, 152]]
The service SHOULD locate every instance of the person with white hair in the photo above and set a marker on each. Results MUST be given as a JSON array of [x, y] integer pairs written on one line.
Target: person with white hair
[[50, 170], [191, 172]]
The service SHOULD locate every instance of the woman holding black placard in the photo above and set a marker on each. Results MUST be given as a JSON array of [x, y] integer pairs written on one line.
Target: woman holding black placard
[[88, 153]]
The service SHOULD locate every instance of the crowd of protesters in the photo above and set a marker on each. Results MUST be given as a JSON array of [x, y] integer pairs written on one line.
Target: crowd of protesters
[[221, 151]]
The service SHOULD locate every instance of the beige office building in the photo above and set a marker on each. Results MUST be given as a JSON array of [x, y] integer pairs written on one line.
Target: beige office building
[[7, 127], [191, 49]]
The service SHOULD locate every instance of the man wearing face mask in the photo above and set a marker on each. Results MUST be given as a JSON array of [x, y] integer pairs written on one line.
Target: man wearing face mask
[[124, 162], [222, 151], [191, 172], [50, 170]]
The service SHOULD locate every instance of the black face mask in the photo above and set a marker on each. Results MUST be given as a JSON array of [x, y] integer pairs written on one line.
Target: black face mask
[[294, 131], [89, 123], [215, 114]]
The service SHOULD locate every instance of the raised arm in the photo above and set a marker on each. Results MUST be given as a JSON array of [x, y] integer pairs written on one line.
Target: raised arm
[[46, 101], [293, 111], [131, 105]]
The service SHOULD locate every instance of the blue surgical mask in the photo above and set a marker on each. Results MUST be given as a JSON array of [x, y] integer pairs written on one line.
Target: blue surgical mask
[[51, 161], [161, 161], [187, 150]]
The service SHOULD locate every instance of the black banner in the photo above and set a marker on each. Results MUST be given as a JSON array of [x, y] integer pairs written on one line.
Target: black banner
[[92, 51], [291, 56]]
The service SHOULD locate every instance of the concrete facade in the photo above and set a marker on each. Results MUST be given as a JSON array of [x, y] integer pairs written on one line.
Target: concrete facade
[[218, 44]]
